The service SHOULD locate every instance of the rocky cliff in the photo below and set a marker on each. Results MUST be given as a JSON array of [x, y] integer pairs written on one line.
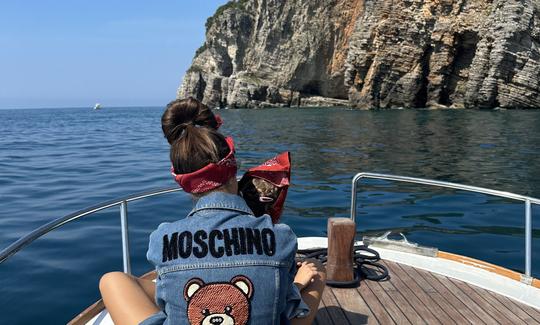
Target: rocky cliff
[[369, 54]]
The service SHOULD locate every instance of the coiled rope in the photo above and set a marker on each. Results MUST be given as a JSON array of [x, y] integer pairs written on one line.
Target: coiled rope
[[365, 265]]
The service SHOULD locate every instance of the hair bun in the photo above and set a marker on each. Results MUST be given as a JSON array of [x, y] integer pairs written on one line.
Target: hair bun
[[181, 114], [191, 129]]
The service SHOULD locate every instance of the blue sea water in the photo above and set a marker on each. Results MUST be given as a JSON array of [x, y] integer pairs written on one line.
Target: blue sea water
[[56, 161]]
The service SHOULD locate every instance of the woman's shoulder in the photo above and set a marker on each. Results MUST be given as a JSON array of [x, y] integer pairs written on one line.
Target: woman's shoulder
[[284, 229], [284, 237], [265, 221], [162, 227], [165, 228]]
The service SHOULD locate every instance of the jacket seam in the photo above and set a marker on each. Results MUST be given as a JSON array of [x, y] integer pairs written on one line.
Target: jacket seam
[[175, 268], [276, 299], [229, 208]]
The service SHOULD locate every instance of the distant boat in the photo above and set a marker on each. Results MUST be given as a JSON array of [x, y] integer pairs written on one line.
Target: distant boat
[[97, 106]]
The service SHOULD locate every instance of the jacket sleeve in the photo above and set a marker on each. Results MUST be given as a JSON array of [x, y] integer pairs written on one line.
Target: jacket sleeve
[[153, 257], [295, 307]]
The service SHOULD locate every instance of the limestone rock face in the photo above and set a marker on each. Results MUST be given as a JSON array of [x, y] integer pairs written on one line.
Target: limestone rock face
[[274, 53], [369, 54], [465, 53]]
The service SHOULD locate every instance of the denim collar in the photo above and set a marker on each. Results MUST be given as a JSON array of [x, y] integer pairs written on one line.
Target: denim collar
[[221, 200]]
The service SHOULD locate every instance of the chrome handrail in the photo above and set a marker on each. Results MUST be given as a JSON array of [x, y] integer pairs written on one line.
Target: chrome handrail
[[48, 227], [528, 201], [123, 203]]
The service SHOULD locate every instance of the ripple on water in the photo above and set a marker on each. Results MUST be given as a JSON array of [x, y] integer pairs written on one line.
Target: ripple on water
[[53, 162]]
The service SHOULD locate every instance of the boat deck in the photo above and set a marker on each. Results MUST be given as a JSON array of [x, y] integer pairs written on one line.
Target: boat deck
[[414, 296], [410, 296]]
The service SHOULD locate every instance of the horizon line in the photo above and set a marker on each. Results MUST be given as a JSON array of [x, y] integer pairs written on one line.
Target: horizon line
[[80, 107]]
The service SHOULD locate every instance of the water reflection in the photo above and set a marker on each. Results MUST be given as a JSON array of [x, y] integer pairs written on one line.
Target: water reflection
[[483, 148], [48, 170]]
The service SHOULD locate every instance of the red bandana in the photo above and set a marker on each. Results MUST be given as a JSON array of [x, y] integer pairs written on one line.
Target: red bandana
[[278, 172], [219, 121], [211, 176]]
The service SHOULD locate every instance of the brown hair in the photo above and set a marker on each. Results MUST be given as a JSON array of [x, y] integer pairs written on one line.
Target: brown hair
[[191, 129]]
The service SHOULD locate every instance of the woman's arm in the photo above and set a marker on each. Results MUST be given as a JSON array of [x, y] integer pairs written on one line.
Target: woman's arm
[[315, 274]]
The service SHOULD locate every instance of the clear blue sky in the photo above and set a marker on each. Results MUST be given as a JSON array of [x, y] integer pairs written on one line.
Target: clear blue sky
[[71, 53]]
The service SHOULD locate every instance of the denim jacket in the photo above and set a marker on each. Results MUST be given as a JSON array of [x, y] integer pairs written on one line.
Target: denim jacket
[[222, 265]]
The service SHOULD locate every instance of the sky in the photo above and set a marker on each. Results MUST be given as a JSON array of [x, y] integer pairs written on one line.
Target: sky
[[75, 53]]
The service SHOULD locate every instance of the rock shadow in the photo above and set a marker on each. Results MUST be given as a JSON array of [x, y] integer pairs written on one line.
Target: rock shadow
[[465, 51]]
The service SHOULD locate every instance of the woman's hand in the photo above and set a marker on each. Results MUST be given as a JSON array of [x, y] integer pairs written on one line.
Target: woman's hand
[[307, 271]]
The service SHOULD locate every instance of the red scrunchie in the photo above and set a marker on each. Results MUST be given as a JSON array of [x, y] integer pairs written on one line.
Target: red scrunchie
[[219, 121], [211, 176]]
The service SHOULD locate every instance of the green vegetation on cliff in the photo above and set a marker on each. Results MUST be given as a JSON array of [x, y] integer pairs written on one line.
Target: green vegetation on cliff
[[201, 49], [233, 4]]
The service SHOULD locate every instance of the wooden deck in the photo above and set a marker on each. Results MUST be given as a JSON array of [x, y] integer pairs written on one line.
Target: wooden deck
[[413, 296]]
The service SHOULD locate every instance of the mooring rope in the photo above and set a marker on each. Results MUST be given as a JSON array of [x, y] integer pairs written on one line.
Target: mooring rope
[[377, 271]]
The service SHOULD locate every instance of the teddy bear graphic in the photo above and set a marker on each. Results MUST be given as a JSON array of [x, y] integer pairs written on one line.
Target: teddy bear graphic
[[218, 303]]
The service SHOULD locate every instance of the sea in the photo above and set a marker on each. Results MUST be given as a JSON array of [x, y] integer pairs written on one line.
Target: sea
[[57, 161]]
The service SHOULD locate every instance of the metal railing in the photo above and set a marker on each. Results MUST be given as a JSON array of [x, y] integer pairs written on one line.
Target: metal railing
[[123, 203], [528, 201]]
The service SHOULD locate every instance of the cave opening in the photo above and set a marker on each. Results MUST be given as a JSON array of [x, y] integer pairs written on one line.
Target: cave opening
[[420, 100], [458, 71], [312, 88], [200, 87], [259, 94], [227, 67]]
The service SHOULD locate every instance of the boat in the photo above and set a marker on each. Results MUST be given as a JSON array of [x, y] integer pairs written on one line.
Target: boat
[[425, 285], [97, 106]]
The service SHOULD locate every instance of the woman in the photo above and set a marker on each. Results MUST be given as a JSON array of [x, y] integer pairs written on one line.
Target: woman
[[219, 265]]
